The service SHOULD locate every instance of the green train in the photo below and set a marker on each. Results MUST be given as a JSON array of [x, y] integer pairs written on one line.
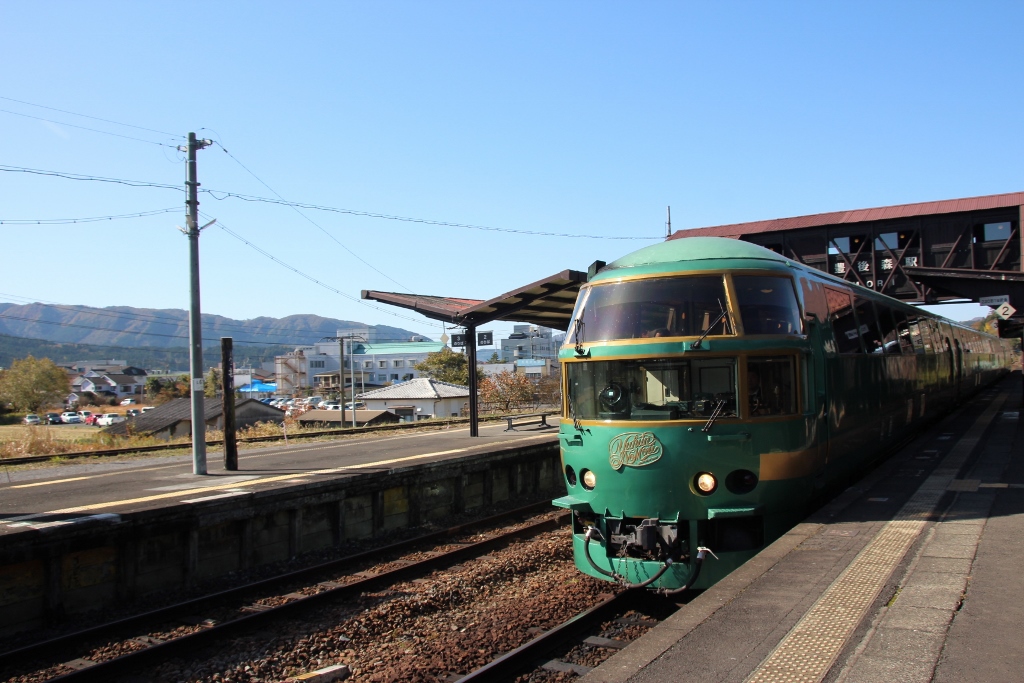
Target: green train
[[713, 388]]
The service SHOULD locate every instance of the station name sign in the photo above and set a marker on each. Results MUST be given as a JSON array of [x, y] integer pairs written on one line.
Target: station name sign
[[994, 301]]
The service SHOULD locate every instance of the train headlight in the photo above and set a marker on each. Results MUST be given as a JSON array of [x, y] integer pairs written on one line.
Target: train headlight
[[589, 479], [706, 483]]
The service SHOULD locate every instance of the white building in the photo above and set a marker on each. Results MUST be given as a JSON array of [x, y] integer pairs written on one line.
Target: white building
[[419, 399], [530, 341], [371, 364]]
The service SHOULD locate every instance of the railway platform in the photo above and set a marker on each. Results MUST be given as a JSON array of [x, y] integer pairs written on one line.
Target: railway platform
[[76, 538], [912, 574], [47, 496]]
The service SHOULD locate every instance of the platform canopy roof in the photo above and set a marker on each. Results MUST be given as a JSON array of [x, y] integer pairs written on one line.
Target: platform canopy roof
[[548, 302]]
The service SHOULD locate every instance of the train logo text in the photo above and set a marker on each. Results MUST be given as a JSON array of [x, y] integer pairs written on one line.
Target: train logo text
[[635, 449]]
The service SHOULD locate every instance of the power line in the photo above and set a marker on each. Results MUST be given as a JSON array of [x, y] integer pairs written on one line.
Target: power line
[[298, 272], [317, 207], [94, 130], [91, 219], [91, 178], [407, 219], [94, 118], [315, 224]]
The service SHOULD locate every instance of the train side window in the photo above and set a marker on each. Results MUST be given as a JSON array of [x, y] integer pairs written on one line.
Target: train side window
[[767, 304], [771, 386], [887, 328], [903, 327], [915, 335], [868, 325], [844, 323]]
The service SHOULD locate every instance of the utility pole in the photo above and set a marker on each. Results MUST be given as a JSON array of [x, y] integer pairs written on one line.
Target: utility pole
[[195, 335], [668, 223]]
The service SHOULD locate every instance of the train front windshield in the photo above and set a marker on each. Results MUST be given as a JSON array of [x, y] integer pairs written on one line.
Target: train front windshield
[[656, 307], [652, 389]]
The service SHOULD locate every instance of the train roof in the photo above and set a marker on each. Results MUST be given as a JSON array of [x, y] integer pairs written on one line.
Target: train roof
[[666, 256]]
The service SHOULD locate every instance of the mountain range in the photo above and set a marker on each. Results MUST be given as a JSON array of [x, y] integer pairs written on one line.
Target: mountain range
[[124, 326]]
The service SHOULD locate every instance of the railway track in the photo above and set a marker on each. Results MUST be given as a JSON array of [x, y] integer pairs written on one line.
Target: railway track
[[579, 644], [130, 644]]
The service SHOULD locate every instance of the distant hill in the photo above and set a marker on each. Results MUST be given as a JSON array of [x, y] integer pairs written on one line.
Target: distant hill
[[167, 328], [166, 360]]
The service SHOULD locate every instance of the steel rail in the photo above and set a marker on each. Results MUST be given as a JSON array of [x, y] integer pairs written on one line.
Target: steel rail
[[527, 656], [62, 643]]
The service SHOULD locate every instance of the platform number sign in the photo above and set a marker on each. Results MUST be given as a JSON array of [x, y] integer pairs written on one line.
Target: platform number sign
[[1005, 310], [485, 338], [458, 340]]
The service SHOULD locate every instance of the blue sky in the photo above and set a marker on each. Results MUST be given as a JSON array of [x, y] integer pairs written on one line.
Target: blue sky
[[579, 118]]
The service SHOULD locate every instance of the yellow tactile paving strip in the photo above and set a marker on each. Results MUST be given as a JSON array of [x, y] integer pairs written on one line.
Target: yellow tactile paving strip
[[808, 651]]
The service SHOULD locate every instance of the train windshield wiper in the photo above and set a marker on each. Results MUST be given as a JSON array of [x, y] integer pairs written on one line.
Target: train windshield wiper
[[700, 339], [579, 335], [714, 416]]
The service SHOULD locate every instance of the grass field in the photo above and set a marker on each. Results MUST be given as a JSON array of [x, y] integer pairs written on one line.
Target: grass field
[[55, 432]]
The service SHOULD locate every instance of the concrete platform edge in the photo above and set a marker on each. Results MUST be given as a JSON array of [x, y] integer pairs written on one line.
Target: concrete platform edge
[[643, 651]]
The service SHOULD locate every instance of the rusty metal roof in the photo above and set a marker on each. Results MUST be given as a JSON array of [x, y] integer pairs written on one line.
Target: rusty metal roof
[[993, 201], [548, 302]]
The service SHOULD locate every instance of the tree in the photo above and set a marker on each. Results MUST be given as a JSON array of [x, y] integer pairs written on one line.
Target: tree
[[212, 383], [445, 366], [506, 391], [494, 358], [31, 384]]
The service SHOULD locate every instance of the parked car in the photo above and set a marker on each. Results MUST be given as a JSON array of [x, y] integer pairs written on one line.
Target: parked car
[[129, 402], [108, 419], [32, 419], [359, 405], [326, 405], [91, 419], [148, 408], [83, 415], [132, 412], [336, 406], [70, 418], [267, 401], [52, 418]]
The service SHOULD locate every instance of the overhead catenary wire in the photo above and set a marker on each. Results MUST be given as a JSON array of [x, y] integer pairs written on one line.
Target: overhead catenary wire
[[89, 219], [307, 276], [221, 195], [94, 130], [310, 220], [94, 118]]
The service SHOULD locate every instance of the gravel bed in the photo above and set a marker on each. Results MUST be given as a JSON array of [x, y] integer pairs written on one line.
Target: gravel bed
[[234, 579], [450, 622]]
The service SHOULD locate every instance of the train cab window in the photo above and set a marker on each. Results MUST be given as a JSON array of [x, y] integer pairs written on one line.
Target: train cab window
[[767, 304], [867, 325], [771, 386], [844, 322], [652, 389], [887, 328], [657, 307]]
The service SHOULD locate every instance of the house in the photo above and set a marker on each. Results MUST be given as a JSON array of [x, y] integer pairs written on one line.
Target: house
[[174, 418], [418, 399], [129, 382], [336, 419]]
